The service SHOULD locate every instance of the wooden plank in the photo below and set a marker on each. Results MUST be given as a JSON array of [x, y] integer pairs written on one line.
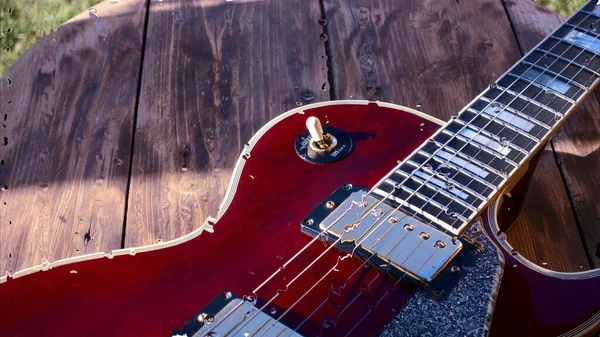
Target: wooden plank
[[214, 73], [67, 111], [577, 143], [434, 56]]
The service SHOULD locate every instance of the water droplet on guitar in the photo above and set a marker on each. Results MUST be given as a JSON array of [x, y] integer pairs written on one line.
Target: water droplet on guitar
[[449, 186], [279, 257], [251, 272], [594, 26], [545, 58], [428, 167], [505, 142], [443, 170], [324, 37], [246, 334], [557, 118], [451, 214], [587, 61], [273, 310], [323, 22]]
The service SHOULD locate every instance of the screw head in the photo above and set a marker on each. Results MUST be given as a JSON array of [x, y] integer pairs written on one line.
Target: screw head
[[455, 269], [227, 295], [330, 204]]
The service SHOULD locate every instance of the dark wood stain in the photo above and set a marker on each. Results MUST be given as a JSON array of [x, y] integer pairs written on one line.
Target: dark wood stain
[[68, 116], [426, 56], [577, 148], [213, 75]]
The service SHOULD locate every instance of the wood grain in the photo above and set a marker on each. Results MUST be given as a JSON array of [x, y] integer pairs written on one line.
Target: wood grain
[[421, 54], [67, 109], [576, 144], [427, 55], [214, 73]]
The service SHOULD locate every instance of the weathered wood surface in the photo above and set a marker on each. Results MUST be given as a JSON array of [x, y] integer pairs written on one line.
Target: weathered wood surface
[[67, 109], [577, 149], [426, 55], [214, 73]]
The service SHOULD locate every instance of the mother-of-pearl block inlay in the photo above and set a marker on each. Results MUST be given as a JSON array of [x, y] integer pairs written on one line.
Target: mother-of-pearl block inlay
[[485, 141], [547, 81]]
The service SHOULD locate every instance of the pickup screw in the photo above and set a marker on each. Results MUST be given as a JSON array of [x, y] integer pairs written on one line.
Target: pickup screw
[[424, 235], [330, 204], [394, 220], [408, 227], [455, 269], [439, 244], [227, 295], [309, 222], [202, 317]]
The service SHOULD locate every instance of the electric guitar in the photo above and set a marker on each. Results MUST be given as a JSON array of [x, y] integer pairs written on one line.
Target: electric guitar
[[350, 218]]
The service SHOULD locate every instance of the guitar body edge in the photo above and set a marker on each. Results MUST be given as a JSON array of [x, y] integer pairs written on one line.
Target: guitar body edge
[[150, 290]]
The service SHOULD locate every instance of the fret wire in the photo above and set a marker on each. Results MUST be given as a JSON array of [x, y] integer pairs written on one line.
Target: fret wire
[[571, 43], [465, 172], [417, 194], [582, 30], [529, 101], [567, 60], [542, 87], [589, 13], [385, 197], [543, 69], [444, 179], [480, 147], [504, 124], [518, 113], [490, 135], [473, 161], [463, 187], [435, 188]]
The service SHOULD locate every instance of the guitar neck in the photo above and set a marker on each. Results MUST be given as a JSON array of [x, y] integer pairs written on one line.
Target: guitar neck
[[451, 177]]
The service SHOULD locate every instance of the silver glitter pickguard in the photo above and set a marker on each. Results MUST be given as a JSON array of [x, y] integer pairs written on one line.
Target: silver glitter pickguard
[[466, 311]]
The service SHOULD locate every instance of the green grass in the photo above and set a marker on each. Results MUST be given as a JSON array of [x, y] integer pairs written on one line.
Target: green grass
[[564, 7], [23, 22]]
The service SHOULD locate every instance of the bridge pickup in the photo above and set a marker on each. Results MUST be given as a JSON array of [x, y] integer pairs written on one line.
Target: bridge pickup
[[229, 314], [384, 236]]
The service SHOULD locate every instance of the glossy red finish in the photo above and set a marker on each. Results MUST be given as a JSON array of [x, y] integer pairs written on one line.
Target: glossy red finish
[[531, 303], [151, 293]]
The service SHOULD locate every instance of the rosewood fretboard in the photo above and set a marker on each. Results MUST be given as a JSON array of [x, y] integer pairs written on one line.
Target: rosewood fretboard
[[453, 175]]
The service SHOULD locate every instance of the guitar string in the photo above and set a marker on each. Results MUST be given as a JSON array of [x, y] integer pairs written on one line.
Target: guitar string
[[530, 67], [387, 292], [581, 68], [553, 80], [465, 144]]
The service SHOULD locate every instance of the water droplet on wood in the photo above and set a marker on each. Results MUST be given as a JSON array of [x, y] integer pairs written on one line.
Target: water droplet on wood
[[324, 37]]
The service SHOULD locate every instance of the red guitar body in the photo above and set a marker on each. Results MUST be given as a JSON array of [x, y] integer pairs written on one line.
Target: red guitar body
[[151, 290]]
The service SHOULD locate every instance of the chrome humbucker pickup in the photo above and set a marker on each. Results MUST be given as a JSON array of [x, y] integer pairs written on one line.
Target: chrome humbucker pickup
[[229, 314], [385, 236]]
